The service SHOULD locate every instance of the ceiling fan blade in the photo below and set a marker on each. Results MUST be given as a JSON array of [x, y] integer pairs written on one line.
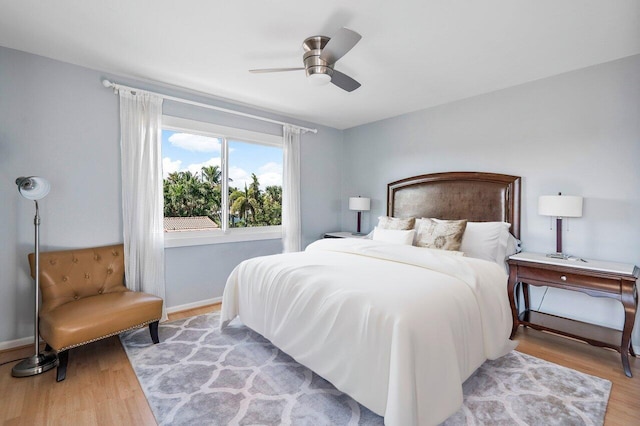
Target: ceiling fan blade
[[344, 82], [342, 42], [275, 70]]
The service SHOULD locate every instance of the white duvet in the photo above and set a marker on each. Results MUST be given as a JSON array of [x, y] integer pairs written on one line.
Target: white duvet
[[398, 328]]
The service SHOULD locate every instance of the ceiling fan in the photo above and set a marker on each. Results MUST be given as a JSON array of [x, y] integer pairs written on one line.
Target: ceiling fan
[[320, 55]]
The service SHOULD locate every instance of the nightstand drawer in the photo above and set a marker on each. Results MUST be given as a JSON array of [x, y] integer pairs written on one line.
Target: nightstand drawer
[[609, 285]]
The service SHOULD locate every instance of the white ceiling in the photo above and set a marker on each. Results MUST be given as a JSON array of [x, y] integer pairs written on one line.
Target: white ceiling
[[414, 54]]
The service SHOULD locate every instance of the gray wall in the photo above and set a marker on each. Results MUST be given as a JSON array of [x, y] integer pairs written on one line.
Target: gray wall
[[578, 133], [59, 122]]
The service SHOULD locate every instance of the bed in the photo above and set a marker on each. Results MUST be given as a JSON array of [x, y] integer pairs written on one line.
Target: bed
[[397, 327]]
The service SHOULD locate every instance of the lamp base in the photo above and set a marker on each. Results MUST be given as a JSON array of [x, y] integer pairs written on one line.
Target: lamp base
[[35, 364], [558, 256], [566, 257]]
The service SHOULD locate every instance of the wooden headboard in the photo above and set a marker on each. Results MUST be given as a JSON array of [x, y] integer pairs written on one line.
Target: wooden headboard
[[476, 196]]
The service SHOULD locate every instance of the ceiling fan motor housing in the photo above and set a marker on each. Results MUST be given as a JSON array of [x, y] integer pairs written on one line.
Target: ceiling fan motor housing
[[312, 63]]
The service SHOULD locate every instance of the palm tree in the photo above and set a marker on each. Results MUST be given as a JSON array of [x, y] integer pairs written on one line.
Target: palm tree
[[255, 186], [212, 175], [274, 193], [173, 197], [200, 194], [243, 204], [271, 212], [186, 195]]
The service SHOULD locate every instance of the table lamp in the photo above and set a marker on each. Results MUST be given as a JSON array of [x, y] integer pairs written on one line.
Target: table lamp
[[359, 204], [560, 206]]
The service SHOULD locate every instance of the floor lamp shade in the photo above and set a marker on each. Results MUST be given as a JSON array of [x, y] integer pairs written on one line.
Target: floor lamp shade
[[35, 188], [559, 206], [359, 204]]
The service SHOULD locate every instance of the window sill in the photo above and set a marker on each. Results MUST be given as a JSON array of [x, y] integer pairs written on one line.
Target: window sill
[[199, 238]]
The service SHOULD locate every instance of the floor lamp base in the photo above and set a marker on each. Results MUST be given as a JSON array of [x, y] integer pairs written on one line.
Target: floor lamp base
[[35, 364]]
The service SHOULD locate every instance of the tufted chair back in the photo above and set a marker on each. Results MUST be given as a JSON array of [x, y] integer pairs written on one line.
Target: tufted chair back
[[70, 275]]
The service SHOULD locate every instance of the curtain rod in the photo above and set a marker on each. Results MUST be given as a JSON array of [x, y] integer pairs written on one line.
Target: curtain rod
[[106, 83]]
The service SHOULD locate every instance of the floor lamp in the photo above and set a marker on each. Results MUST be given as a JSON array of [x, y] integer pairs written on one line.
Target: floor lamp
[[35, 188]]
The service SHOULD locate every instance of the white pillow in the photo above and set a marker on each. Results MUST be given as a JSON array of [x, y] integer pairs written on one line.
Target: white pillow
[[486, 240], [393, 236]]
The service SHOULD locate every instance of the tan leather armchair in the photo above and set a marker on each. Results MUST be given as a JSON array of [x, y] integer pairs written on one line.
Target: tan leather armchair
[[84, 299]]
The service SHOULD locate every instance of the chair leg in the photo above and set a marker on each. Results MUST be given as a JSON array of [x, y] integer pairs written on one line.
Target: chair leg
[[63, 359], [153, 329]]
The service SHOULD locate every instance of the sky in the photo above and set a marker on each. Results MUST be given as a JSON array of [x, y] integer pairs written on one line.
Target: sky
[[184, 151]]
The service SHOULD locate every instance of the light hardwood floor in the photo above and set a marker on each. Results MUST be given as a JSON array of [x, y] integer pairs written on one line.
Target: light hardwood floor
[[101, 387]]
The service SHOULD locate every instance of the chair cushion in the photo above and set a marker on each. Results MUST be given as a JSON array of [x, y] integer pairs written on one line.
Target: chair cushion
[[92, 318]]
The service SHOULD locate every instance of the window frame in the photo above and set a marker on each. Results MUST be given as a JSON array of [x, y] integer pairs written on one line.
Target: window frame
[[225, 234]]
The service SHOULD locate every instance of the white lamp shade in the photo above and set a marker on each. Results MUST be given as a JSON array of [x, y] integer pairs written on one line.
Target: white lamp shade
[[360, 204], [33, 187], [560, 205]]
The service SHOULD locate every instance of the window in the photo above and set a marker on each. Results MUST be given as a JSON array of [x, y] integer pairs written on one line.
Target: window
[[220, 184], [255, 181]]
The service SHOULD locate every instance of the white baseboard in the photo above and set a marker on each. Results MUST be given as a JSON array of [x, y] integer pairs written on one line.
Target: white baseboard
[[11, 344], [194, 305]]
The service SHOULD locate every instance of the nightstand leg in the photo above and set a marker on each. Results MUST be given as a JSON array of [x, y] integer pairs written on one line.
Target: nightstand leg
[[525, 293], [625, 363], [512, 301], [630, 302]]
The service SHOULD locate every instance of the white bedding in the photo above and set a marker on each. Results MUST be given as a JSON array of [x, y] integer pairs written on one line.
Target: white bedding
[[398, 328]]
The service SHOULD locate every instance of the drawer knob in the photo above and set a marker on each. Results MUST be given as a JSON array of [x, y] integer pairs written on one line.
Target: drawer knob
[[563, 277]]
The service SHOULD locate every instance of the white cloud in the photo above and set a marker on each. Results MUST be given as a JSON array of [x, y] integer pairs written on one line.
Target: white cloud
[[239, 177], [196, 143], [270, 167], [270, 179], [270, 174], [169, 166]]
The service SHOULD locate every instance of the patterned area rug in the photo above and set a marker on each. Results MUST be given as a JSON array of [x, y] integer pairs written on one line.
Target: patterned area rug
[[198, 375]]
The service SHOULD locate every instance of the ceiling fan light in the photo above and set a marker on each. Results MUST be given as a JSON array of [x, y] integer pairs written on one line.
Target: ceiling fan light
[[319, 79]]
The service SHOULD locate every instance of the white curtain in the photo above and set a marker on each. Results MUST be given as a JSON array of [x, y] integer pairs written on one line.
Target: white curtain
[[142, 197], [291, 229]]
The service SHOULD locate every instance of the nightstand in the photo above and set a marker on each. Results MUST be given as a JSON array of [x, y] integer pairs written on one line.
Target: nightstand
[[595, 278], [343, 234]]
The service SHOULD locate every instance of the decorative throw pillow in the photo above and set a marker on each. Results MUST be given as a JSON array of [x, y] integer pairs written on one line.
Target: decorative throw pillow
[[441, 234], [387, 222]]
